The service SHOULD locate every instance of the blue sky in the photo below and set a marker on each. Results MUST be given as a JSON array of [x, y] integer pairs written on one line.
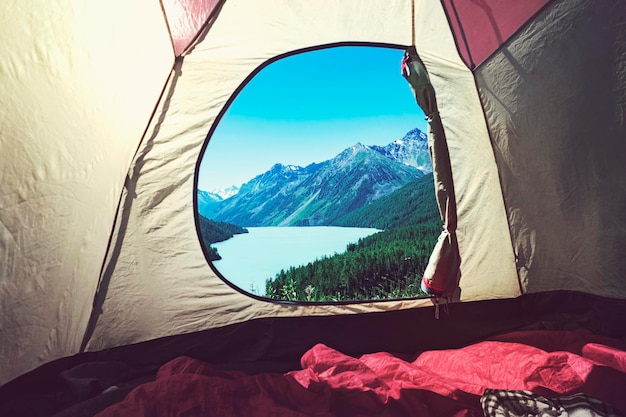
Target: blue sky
[[308, 108]]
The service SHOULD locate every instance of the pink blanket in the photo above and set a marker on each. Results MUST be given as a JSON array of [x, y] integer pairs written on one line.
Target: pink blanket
[[432, 383]]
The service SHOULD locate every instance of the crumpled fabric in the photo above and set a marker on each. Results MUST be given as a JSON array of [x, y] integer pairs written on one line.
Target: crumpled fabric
[[502, 403], [433, 383]]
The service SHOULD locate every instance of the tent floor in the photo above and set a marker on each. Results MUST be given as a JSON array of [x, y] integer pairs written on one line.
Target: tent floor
[[76, 385]]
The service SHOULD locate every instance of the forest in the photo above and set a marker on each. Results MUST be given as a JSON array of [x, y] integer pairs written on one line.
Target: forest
[[386, 265], [213, 232]]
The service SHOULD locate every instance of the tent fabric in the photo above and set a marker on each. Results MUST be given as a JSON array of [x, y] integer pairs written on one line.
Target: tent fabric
[[185, 20], [431, 383], [441, 277], [480, 27], [105, 111], [147, 269], [78, 85], [558, 131]]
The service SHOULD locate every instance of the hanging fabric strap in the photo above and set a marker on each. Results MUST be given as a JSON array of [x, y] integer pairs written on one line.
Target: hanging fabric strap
[[442, 275]]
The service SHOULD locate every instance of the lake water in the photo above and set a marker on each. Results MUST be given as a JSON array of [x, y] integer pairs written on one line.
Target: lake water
[[250, 258]]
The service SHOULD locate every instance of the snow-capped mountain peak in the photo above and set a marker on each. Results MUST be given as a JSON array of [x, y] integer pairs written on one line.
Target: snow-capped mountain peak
[[412, 150], [227, 192], [321, 192]]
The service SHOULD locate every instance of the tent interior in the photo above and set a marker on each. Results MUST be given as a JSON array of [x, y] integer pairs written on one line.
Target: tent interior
[[110, 306]]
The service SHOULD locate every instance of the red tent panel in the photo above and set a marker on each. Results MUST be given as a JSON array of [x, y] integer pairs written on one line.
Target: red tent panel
[[481, 26], [185, 18]]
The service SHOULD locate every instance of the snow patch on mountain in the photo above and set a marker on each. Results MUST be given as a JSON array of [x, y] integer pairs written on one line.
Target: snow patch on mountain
[[321, 192], [227, 192], [411, 150]]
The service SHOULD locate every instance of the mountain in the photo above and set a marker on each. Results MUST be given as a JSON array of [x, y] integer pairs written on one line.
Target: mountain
[[227, 192], [413, 204], [321, 193], [411, 150], [208, 202]]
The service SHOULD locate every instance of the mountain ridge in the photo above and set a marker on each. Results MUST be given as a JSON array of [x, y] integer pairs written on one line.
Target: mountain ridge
[[321, 193]]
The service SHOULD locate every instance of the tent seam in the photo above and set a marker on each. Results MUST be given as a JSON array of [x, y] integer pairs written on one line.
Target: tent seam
[[102, 286]]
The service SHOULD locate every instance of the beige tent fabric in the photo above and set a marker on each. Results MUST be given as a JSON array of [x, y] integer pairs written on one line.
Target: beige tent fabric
[[78, 84], [157, 280], [441, 277], [557, 121], [185, 18]]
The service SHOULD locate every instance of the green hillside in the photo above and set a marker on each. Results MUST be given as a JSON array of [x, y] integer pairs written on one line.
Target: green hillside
[[213, 232], [414, 203]]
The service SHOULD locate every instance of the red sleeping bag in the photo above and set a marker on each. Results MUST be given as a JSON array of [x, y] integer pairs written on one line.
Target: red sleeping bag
[[432, 383]]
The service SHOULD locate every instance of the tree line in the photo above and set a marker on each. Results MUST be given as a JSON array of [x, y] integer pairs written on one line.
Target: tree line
[[385, 265], [213, 232]]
